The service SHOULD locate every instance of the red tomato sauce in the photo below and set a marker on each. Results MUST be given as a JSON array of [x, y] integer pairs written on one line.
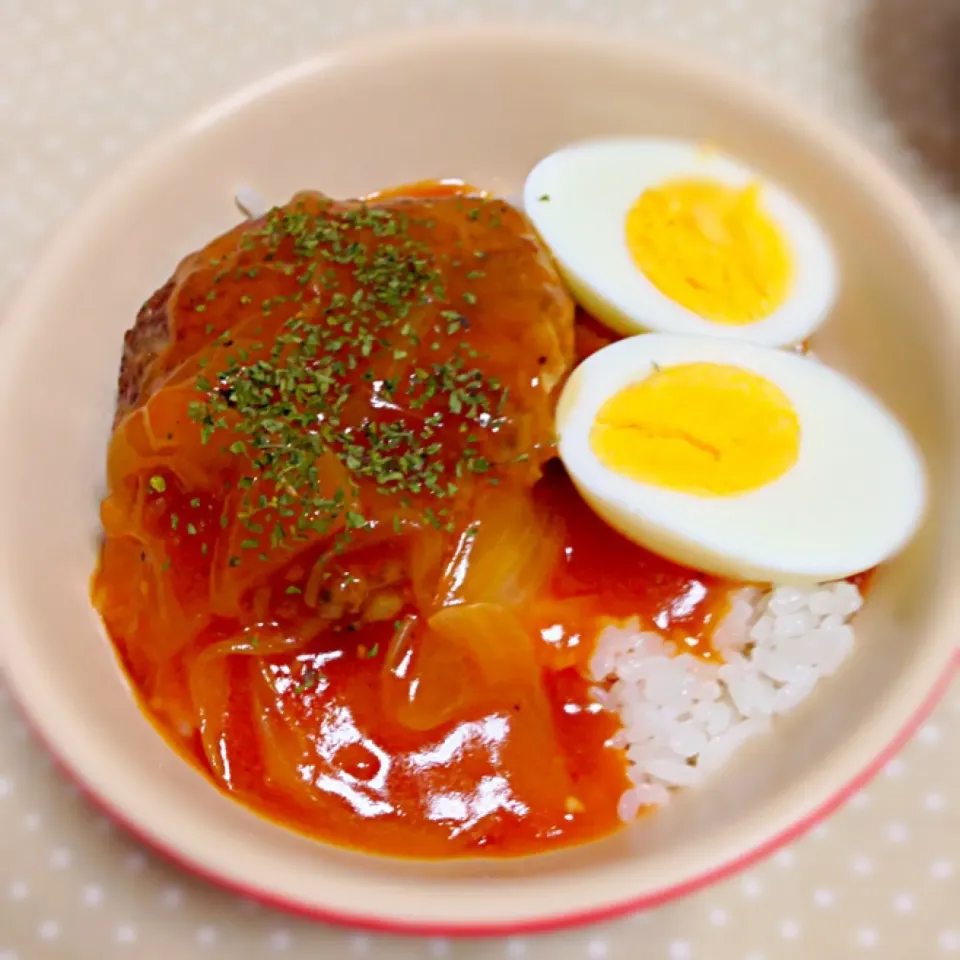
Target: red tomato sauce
[[317, 691]]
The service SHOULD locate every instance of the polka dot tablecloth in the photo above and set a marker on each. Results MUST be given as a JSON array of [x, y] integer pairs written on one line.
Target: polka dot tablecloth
[[82, 83]]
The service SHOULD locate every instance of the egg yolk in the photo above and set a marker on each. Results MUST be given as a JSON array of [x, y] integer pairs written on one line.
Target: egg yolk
[[711, 248], [706, 429]]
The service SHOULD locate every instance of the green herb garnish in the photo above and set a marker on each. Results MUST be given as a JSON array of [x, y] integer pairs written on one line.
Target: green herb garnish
[[281, 407]]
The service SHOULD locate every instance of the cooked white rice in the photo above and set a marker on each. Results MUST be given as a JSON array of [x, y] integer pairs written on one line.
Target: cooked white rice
[[252, 205], [684, 717]]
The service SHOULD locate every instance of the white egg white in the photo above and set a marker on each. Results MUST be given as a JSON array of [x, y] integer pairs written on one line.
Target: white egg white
[[578, 199], [854, 498]]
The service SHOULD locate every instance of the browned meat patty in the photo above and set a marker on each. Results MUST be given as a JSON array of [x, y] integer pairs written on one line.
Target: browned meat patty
[[517, 269]]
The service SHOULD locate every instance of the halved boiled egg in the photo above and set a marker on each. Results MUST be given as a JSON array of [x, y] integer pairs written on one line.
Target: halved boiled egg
[[738, 459], [666, 235]]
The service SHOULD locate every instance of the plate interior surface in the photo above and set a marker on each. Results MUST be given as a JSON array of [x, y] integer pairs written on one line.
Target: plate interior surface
[[482, 105]]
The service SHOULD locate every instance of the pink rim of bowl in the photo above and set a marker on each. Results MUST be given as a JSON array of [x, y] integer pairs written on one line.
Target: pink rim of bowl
[[544, 923]]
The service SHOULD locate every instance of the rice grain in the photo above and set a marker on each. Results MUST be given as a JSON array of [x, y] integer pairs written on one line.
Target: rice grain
[[683, 718]]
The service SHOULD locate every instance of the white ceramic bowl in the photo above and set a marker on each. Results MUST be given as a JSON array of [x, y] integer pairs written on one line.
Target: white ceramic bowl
[[483, 104]]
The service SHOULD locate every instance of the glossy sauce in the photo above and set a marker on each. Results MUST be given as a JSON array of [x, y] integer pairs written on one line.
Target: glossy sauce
[[380, 732], [477, 784]]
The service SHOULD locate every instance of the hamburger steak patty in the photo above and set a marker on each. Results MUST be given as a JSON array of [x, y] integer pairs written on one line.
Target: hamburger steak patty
[[430, 336], [142, 370], [142, 344]]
